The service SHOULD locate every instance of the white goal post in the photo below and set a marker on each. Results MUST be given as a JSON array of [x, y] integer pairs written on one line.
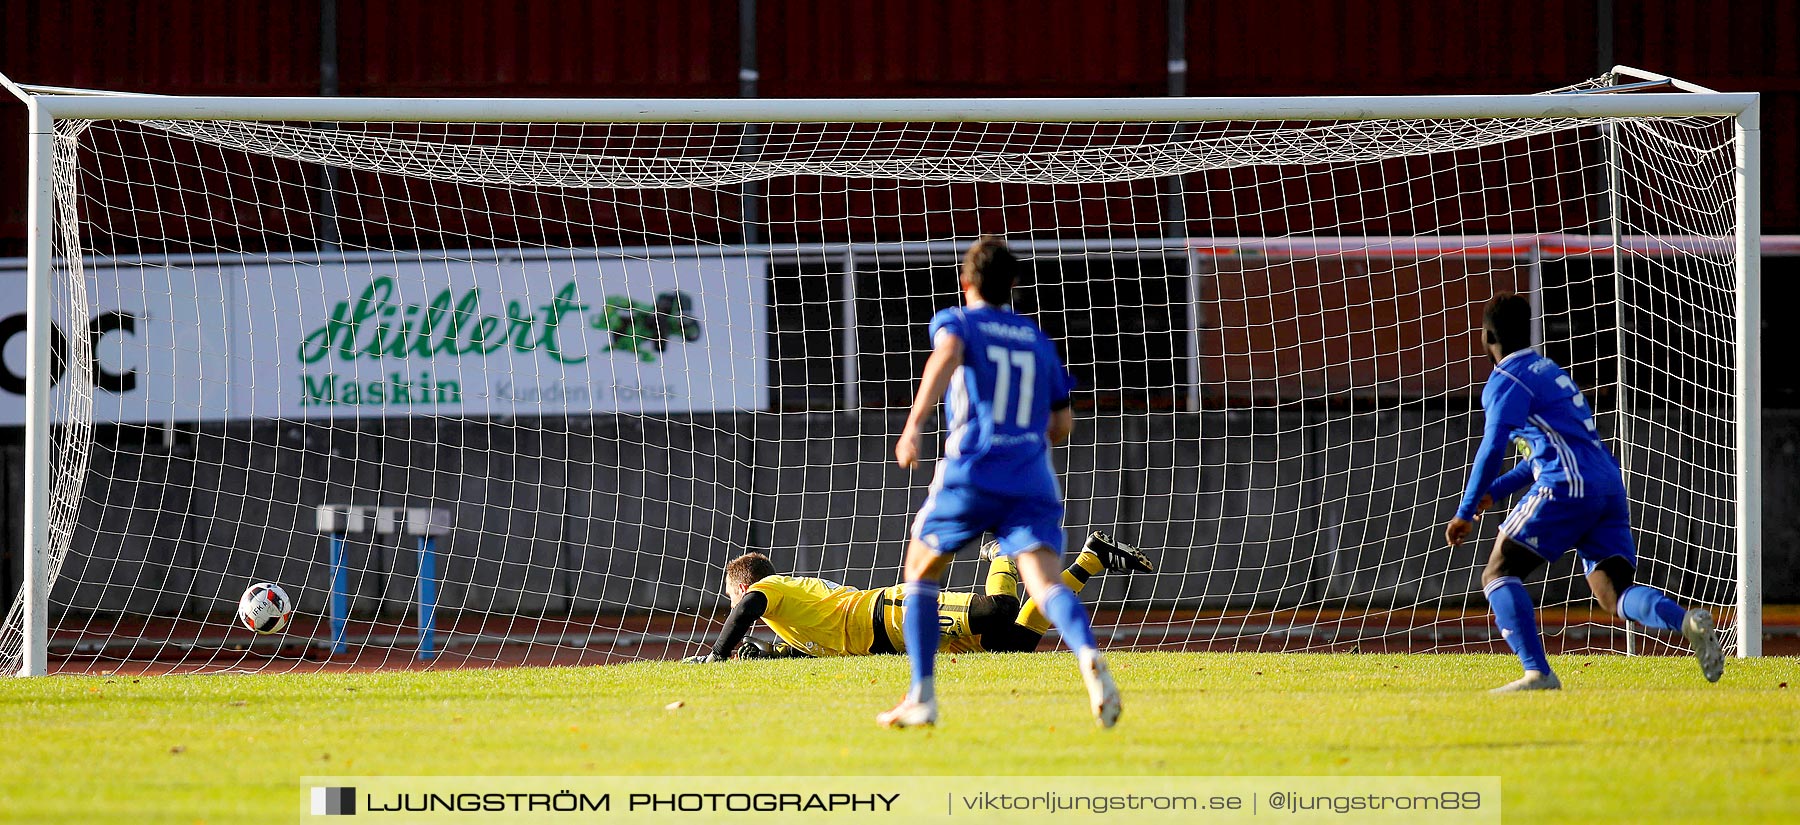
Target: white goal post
[[1688, 182]]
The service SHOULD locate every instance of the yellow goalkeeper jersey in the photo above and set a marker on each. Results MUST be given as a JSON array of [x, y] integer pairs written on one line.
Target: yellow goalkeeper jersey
[[820, 617], [824, 618]]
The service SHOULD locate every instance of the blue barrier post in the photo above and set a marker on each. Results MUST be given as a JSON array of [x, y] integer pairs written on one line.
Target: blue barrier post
[[339, 521], [340, 594], [427, 597]]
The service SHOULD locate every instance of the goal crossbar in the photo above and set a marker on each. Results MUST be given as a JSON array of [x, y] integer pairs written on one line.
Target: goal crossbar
[[1741, 105]]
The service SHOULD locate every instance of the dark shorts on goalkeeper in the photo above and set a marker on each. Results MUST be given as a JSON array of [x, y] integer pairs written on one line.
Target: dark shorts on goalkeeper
[[954, 517], [1552, 523]]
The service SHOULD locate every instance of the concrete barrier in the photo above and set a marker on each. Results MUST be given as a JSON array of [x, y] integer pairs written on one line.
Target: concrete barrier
[[1241, 509]]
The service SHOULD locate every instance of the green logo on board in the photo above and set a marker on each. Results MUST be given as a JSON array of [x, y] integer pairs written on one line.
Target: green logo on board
[[376, 326]]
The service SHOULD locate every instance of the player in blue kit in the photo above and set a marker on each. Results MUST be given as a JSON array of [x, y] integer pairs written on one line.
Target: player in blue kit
[[1007, 403], [1577, 501]]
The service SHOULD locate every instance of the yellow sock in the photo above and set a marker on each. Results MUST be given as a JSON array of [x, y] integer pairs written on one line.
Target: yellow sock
[[1003, 578], [1086, 566]]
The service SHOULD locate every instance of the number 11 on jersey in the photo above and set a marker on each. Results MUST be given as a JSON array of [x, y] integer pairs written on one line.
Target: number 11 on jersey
[[1004, 359]]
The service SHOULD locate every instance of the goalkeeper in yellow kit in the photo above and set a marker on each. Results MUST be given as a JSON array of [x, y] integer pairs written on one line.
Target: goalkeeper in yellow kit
[[815, 617]]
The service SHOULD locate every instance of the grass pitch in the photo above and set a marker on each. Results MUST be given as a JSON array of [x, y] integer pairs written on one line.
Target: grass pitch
[[1637, 739]]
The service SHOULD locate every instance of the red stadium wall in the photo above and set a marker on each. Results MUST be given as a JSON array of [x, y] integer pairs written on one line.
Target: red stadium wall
[[1339, 47], [686, 48], [1739, 45], [472, 48], [946, 48]]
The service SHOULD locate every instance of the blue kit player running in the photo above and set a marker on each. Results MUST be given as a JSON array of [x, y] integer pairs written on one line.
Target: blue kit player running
[[1007, 402], [1577, 502]]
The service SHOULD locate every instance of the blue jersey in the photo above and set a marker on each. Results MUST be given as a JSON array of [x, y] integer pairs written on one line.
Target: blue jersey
[[1530, 399], [999, 402]]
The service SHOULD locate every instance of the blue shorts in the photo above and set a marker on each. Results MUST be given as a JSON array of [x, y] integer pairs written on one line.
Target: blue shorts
[[1551, 524], [954, 516]]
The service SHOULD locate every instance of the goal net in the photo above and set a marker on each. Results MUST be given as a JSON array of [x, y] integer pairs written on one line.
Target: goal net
[[483, 393]]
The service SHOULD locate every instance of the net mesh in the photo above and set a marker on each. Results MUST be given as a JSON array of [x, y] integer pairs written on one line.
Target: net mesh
[[617, 355]]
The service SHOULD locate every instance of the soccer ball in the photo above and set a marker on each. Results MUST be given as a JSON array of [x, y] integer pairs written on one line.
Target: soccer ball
[[265, 608]]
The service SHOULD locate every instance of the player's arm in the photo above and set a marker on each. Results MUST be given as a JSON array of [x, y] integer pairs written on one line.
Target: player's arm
[[1509, 483], [1062, 425], [1062, 410], [737, 625], [1506, 405], [946, 356]]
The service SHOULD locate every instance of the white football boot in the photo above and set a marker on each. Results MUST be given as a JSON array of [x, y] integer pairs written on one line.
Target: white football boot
[[1697, 626], [1103, 693], [910, 713], [1532, 680]]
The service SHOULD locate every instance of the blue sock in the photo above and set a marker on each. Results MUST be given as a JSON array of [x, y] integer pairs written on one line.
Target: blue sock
[[1651, 608], [921, 631], [1071, 619], [1517, 619]]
